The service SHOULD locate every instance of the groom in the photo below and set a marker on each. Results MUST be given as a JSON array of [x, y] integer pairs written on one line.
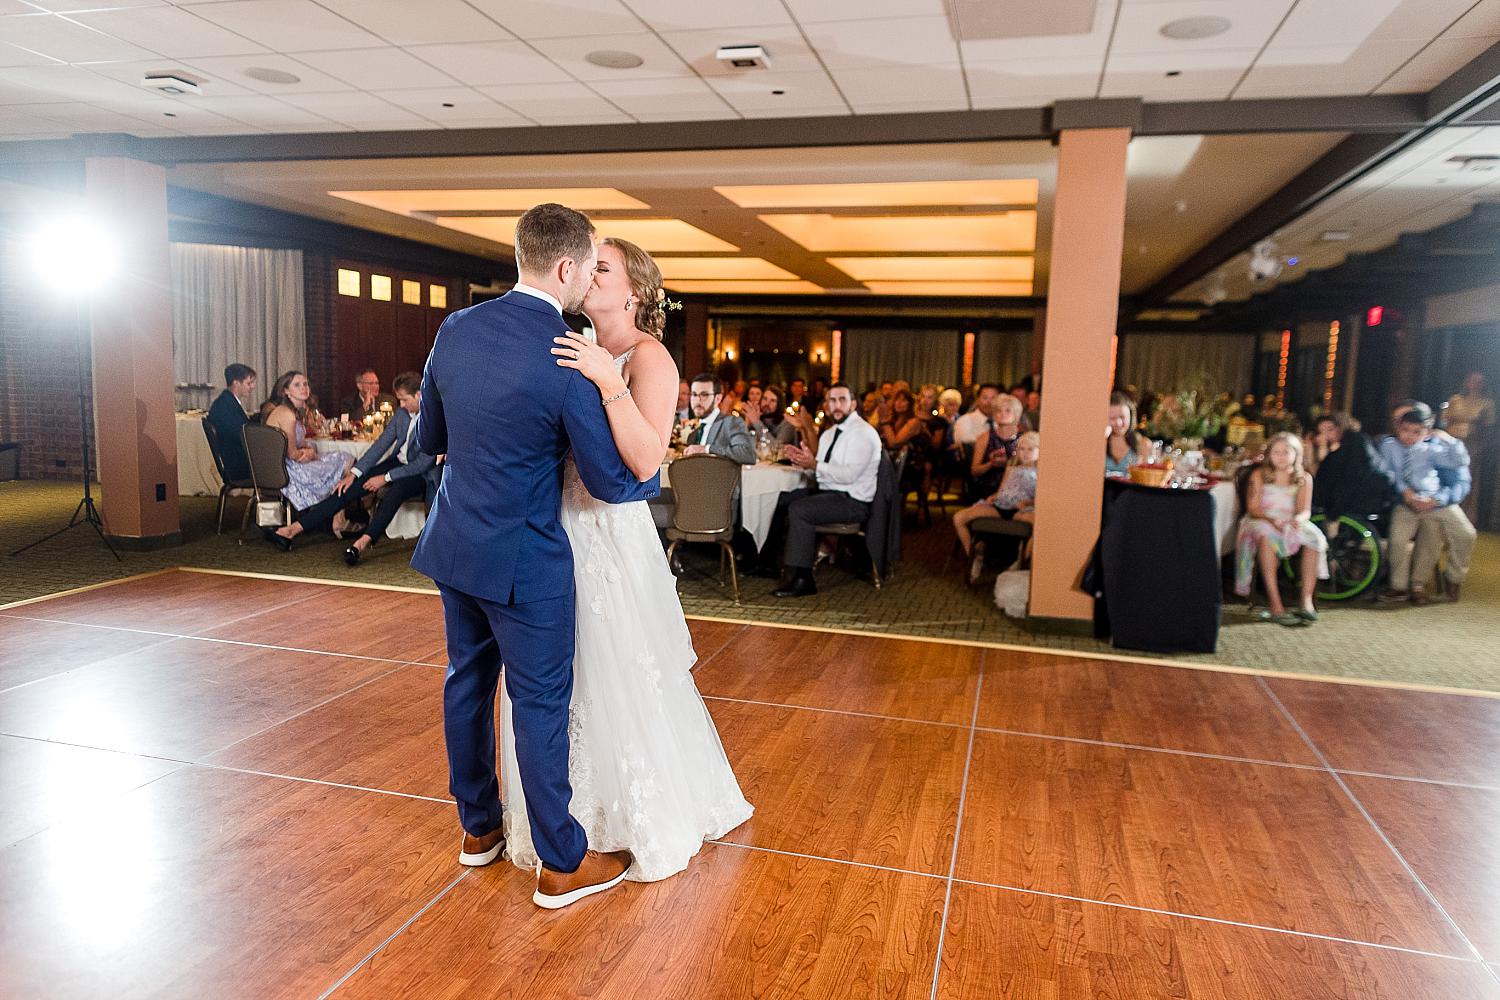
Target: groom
[[495, 401]]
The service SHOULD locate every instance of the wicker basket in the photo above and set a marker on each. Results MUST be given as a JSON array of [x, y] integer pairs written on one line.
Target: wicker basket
[[1151, 475]]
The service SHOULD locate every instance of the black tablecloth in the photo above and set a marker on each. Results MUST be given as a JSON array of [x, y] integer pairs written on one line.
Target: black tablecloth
[[1159, 569]]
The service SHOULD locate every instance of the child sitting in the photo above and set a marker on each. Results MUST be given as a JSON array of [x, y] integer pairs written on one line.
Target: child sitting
[[1014, 500], [1278, 524]]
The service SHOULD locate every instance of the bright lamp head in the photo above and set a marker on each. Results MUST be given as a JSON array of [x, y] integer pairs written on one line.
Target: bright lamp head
[[74, 253]]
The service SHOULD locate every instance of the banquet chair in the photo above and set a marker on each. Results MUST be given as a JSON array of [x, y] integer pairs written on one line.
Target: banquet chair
[[882, 530], [703, 489], [229, 485], [265, 447]]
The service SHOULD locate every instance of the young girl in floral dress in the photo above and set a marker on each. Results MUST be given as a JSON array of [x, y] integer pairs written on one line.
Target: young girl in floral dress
[[1278, 524]]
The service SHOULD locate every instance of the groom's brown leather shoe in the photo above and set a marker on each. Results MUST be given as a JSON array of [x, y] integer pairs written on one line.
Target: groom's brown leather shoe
[[597, 872], [477, 852]]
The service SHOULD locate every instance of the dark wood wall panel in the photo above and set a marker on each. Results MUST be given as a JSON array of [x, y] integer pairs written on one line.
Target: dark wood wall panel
[[389, 336]]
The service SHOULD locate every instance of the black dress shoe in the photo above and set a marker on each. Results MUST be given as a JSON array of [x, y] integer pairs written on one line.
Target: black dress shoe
[[801, 585], [351, 556], [280, 541]]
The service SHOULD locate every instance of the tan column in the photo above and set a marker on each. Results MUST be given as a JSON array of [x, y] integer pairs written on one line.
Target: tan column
[[1083, 291], [131, 325]]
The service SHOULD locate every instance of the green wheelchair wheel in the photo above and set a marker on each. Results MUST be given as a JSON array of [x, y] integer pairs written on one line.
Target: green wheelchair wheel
[[1353, 560]]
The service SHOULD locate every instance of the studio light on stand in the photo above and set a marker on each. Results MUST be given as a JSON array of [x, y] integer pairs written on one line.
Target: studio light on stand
[[63, 252]]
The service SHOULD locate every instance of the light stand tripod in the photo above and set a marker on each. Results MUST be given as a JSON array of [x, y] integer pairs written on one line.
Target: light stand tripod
[[86, 512]]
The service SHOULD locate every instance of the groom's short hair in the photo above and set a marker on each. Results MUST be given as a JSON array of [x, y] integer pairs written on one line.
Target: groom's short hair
[[549, 232]]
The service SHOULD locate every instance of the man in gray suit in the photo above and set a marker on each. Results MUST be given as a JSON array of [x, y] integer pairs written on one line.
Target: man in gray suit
[[717, 433]]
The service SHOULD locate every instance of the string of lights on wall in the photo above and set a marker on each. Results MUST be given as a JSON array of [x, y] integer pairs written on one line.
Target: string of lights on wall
[[1333, 357], [968, 378], [1281, 366]]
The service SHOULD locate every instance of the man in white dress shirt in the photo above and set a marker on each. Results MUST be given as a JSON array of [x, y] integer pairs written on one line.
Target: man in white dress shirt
[[847, 466], [972, 425]]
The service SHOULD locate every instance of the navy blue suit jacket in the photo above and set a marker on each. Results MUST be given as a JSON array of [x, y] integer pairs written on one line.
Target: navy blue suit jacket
[[228, 417], [495, 401]]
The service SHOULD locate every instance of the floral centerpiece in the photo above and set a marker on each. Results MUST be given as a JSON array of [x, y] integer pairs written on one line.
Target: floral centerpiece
[[1190, 413]]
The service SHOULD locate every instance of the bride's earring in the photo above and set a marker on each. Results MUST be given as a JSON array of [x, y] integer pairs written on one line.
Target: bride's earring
[[627, 305]]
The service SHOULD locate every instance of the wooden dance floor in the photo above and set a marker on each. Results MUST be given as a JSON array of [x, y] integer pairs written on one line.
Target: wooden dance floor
[[222, 786]]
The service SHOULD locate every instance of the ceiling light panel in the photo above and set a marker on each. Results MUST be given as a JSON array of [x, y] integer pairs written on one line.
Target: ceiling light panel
[[1005, 231], [905, 193], [982, 288], [721, 268], [746, 287], [437, 201], [936, 268], [651, 235]]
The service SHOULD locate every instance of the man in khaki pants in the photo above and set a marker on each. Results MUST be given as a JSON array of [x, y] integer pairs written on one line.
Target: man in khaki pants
[[1432, 475]]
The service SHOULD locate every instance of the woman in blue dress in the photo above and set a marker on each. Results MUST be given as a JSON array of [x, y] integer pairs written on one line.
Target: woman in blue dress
[[311, 476]]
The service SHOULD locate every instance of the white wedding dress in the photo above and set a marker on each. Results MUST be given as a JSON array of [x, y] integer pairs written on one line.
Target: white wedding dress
[[648, 771]]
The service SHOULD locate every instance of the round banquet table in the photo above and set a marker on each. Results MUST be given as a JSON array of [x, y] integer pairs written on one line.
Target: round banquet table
[[409, 519], [760, 486], [197, 476]]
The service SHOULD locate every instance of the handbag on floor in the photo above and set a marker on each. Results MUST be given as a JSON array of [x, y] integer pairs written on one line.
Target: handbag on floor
[[1012, 591], [270, 513]]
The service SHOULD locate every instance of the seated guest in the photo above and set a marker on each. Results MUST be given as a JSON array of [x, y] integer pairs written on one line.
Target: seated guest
[[311, 477], [718, 433], [796, 392], [1431, 470], [1278, 524], [773, 417], [847, 466], [1034, 411], [993, 451], [749, 410], [1352, 478], [903, 427], [367, 397], [407, 473], [1123, 446], [970, 427], [1015, 499], [683, 409], [927, 400], [871, 405], [227, 414]]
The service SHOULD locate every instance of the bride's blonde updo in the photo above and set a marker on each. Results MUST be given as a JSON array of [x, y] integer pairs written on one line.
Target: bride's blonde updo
[[645, 282]]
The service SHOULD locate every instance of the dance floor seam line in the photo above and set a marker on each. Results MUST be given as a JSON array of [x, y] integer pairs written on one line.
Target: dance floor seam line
[[958, 829], [1379, 832], [703, 660], [110, 797], [395, 934]]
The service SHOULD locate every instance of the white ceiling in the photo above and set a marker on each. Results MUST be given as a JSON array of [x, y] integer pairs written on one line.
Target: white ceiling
[[71, 66], [1419, 190]]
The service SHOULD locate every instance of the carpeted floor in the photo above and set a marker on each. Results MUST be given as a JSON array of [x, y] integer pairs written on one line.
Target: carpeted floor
[[1442, 645]]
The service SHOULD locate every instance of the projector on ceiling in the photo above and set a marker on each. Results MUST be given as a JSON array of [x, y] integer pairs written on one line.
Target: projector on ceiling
[[743, 56]]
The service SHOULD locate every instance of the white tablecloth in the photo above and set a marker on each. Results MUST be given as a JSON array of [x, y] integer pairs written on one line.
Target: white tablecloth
[[1226, 515], [760, 486], [413, 514], [196, 474]]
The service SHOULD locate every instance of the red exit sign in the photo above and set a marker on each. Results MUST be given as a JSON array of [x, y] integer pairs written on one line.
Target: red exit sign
[[1374, 315]]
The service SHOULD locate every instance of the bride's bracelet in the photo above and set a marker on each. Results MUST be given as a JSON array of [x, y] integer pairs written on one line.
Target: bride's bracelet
[[616, 396]]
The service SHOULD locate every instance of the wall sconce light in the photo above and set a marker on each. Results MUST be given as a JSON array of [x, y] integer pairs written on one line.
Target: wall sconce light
[[728, 354]]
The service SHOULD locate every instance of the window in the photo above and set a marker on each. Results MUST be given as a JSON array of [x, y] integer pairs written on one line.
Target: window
[[348, 282], [437, 296], [380, 287], [411, 292]]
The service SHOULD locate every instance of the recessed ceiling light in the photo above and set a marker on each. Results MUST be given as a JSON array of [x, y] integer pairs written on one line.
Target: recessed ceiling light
[[1174, 72], [1192, 28], [614, 59], [267, 75], [447, 104], [778, 93]]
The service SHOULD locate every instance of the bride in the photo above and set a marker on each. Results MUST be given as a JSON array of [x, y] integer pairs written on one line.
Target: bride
[[648, 772]]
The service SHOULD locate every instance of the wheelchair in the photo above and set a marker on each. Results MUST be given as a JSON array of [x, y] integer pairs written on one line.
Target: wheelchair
[[1356, 555]]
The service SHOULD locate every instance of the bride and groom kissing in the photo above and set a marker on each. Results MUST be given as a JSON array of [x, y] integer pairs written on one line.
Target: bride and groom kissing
[[548, 561]]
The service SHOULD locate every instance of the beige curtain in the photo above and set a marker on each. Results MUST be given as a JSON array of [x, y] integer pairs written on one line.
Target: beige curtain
[[916, 355], [1160, 362], [234, 304]]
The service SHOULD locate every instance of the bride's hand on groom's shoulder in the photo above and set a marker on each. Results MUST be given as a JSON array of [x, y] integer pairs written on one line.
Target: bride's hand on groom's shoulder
[[596, 364]]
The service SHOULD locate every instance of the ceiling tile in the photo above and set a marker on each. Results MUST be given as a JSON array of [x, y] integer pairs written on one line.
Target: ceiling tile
[[369, 69], [470, 109], [169, 31], [132, 73], [1422, 20], [266, 112], [884, 44], [754, 94], [492, 63], [177, 114], [31, 121], [81, 117], [1434, 64], [402, 23], [1089, 46], [1335, 23], [667, 99], [561, 18], [358, 110], [67, 41], [287, 25], [557, 103], [42, 84], [232, 69], [1201, 76], [16, 7], [814, 11], [1138, 29], [1022, 84], [1483, 21], [786, 51], [569, 53], [908, 88], [679, 15], [64, 6], [10, 55], [1320, 72]]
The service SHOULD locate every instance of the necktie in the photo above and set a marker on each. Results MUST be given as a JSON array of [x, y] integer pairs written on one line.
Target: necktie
[[700, 433], [828, 455]]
